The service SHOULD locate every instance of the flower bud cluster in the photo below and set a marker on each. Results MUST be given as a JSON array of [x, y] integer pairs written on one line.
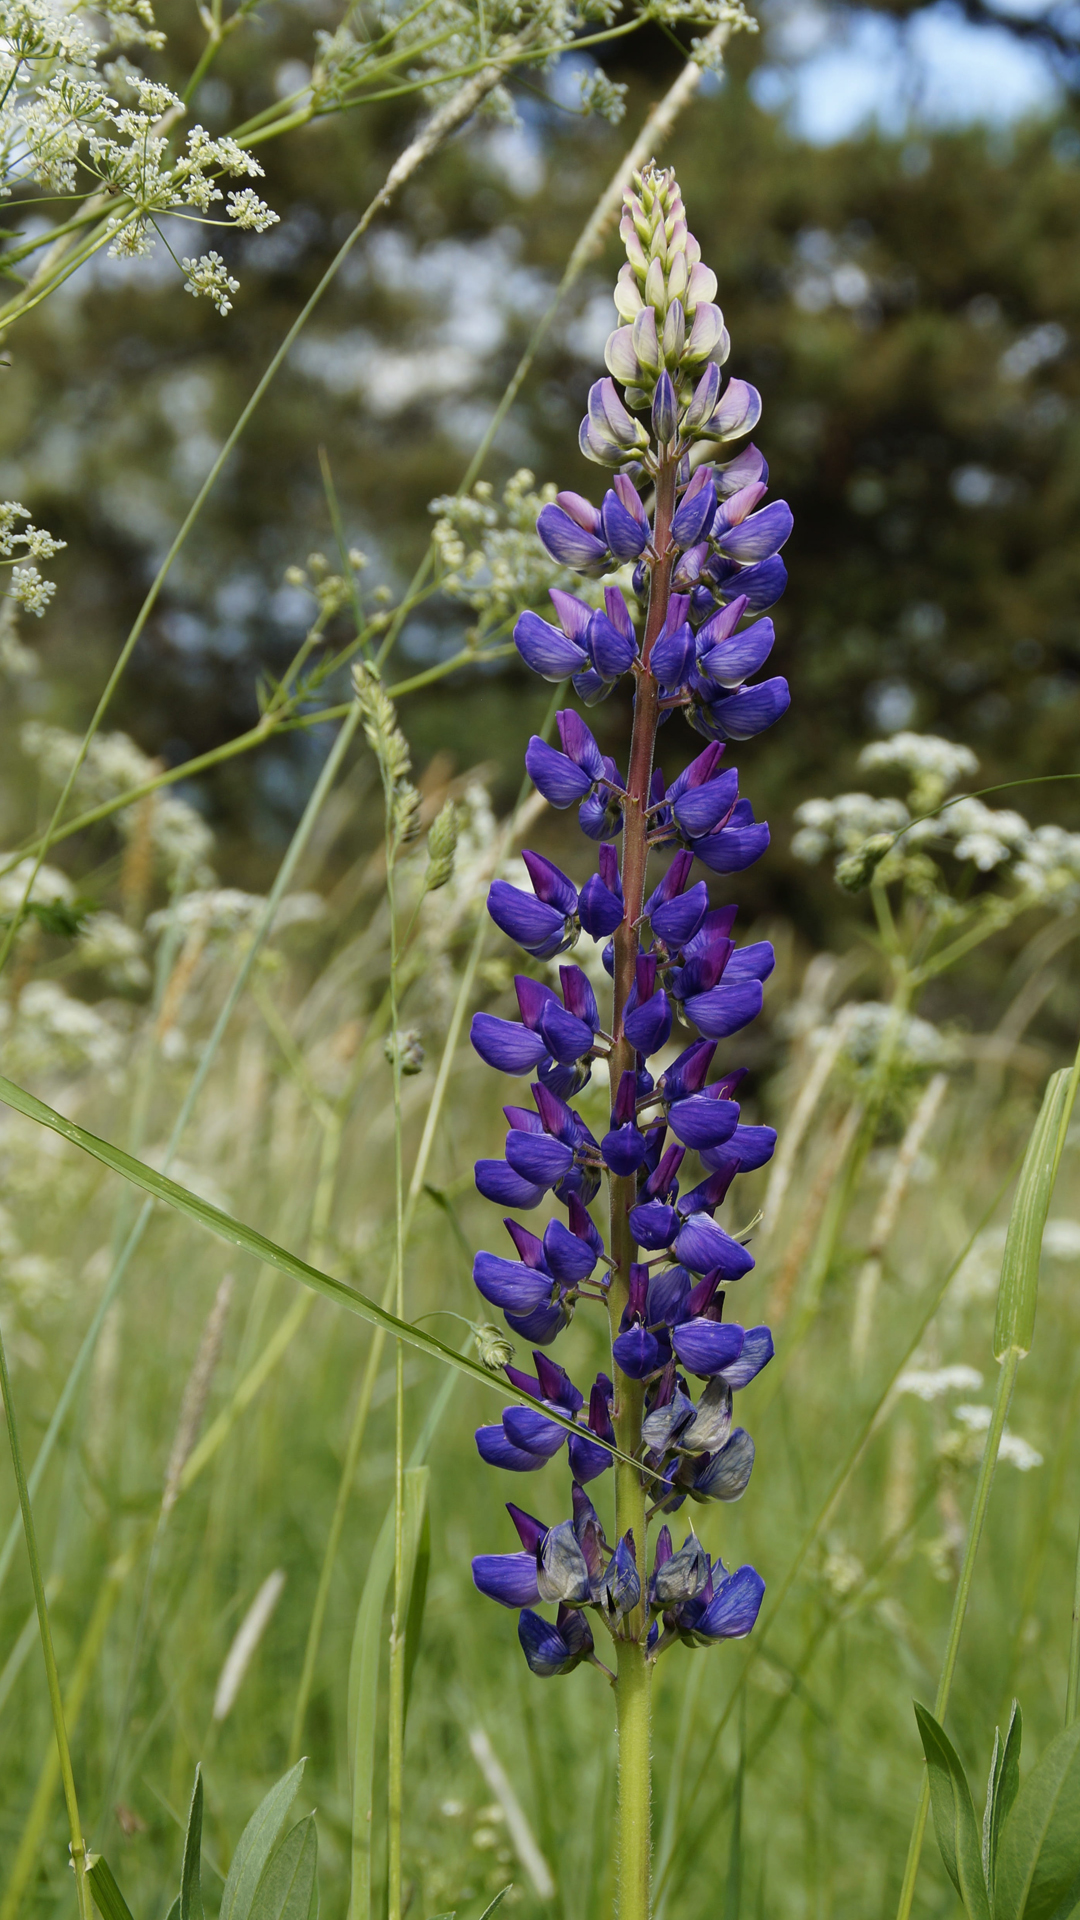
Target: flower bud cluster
[[713, 557]]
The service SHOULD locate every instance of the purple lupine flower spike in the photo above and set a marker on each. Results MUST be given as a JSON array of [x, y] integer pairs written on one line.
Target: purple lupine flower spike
[[677, 1139]]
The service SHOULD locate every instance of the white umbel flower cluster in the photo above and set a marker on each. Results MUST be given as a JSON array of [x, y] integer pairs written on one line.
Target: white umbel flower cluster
[[27, 588], [1043, 862]]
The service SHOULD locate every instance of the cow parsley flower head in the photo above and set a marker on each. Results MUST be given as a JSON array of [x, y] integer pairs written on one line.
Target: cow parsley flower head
[[209, 276]]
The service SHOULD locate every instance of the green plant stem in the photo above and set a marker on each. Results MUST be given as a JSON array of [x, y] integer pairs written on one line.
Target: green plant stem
[[632, 1704], [1006, 1383], [396, 1742], [78, 1844]]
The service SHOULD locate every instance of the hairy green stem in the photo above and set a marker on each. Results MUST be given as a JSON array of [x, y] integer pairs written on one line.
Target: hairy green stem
[[78, 1845]]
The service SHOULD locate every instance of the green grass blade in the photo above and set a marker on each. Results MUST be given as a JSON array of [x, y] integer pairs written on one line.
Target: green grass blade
[[499, 1898], [1001, 1789], [108, 1898], [267, 1252], [418, 1566], [256, 1844], [191, 1900], [1018, 1292], [363, 1714]]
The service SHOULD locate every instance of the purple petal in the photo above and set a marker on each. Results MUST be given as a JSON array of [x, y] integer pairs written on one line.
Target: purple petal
[[531, 1432], [623, 532], [704, 1248], [578, 743], [623, 1149], [505, 1044], [696, 510], [497, 1451], [726, 1475], [701, 1121], [539, 1327], [566, 542], [756, 1353], [762, 585], [668, 1291], [649, 1025], [670, 659], [734, 1607], [700, 811], [531, 922], [498, 1182], [760, 536], [707, 1347], [654, 1226], [738, 412], [509, 1578], [751, 1147], [565, 1038], [570, 1259], [734, 660], [753, 962], [751, 710], [676, 921], [538, 1159], [612, 652], [588, 1458], [733, 848], [543, 648], [554, 775], [635, 1353], [510, 1283], [598, 909]]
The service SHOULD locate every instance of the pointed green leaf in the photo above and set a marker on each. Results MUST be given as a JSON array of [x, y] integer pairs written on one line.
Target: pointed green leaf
[[1018, 1292], [954, 1816], [108, 1898], [249, 1240], [499, 1898], [191, 1902], [1002, 1788], [363, 1710], [1038, 1863], [174, 1910], [417, 1566], [288, 1887], [256, 1844]]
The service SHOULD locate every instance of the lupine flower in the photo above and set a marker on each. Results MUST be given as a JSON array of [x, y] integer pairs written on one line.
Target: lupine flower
[[676, 1139]]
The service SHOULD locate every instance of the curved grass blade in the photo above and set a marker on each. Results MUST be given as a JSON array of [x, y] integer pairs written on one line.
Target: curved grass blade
[[108, 1898], [1002, 1788], [249, 1240], [191, 1900], [255, 1846], [288, 1887], [954, 1816]]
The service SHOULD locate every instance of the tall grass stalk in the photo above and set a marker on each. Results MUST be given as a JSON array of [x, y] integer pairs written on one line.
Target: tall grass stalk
[[56, 1704]]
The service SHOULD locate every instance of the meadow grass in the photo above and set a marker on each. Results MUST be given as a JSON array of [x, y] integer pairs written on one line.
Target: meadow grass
[[806, 1730]]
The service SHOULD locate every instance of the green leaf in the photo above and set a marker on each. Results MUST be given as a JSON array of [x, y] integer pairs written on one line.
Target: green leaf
[[108, 1898], [56, 917], [417, 1566], [954, 1816], [249, 1240], [256, 1844], [191, 1901], [499, 1898], [1002, 1788], [174, 1910], [363, 1713], [288, 1887], [1018, 1292], [1038, 1863]]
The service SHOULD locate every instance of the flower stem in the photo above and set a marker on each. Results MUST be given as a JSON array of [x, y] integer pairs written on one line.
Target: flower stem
[[632, 1683], [78, 1844]]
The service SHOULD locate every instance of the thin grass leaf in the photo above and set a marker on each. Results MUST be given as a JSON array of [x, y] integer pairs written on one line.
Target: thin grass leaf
[[108, 1898], [954, 1816], [191, 1901], [267, 1252], [499, 1898], [288, 1888], [1002, 1788], [1018, 1293], [418, 1583], [256, 1844], [363, 1714], [1038, 1868]]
